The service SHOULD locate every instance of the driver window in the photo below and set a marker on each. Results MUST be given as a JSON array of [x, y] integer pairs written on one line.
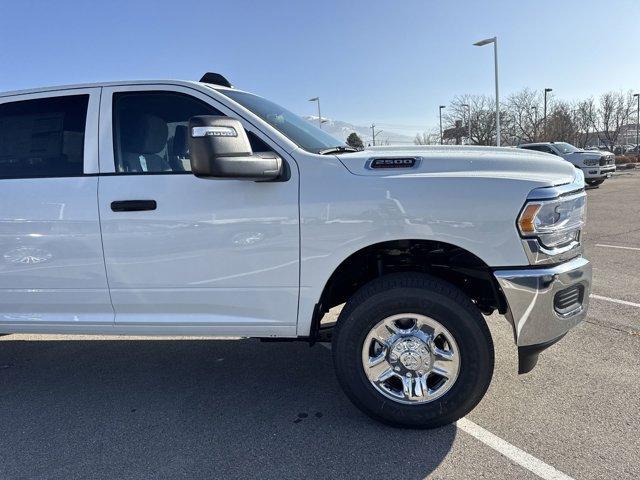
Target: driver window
[[150, 131]]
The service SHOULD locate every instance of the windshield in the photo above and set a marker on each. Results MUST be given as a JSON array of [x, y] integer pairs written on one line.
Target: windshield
[[299, 131], [565, 147]]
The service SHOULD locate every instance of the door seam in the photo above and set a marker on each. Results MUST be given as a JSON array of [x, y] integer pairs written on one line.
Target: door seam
[[104, 256]]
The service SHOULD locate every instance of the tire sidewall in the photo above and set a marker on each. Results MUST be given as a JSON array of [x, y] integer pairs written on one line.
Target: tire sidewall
[[476, 355]]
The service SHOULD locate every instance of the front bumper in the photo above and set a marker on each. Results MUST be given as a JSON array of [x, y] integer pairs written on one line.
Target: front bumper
[[598, 172], [544, 304]]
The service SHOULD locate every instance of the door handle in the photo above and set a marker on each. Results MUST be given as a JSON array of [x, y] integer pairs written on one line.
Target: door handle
[[133, 205]]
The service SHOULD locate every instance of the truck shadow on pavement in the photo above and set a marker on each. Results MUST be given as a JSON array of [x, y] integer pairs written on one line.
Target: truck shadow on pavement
[[193, 409]]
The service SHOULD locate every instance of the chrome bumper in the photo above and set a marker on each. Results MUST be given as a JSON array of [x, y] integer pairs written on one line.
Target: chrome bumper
[[598, 171], [533, 305]]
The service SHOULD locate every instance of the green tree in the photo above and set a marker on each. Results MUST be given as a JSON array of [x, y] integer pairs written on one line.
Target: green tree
[[353, 140]]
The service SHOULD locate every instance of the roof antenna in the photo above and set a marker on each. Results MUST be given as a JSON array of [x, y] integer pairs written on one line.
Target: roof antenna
[[215, 79]]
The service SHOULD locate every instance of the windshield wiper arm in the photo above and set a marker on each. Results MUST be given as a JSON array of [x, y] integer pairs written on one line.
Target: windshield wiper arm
[[338, 149]]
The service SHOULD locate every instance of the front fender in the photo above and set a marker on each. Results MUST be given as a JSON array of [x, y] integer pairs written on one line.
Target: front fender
[[345, 213]]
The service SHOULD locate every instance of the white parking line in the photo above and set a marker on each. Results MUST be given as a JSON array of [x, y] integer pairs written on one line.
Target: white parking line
[[512, 452], [615, 300], [616, 246]]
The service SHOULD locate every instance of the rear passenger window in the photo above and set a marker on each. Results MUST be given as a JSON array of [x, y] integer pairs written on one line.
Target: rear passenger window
[[43, 137]]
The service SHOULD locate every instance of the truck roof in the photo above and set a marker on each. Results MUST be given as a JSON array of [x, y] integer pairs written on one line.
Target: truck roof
[[210, 79], [185, 83]]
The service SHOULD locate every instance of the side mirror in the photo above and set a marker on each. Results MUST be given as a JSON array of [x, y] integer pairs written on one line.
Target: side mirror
[[219, 148]]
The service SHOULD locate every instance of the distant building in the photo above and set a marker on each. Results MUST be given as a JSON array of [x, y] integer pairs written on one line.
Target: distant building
[[627, 136]]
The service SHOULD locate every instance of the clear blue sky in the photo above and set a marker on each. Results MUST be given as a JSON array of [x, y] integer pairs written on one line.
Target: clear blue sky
[[383, 61]]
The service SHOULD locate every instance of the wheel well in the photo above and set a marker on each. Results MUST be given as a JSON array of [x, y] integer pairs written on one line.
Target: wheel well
[[439, 259]]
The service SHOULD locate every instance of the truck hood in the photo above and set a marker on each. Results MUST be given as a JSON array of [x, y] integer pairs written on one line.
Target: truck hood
[[584, 154], [461, 161]]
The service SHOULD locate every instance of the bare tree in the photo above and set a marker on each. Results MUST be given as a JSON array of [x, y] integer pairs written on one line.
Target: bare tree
[[584, 119], [483, 117], [523, 116], [613, 111], [560, 125], [427, 138]]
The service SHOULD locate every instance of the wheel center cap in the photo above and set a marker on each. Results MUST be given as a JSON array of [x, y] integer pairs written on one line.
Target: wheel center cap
[[410, 353], [410, 360]]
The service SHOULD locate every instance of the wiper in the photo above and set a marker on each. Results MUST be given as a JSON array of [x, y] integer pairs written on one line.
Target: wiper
[[338, 149]]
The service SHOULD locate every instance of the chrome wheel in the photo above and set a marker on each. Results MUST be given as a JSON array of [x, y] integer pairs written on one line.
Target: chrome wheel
[[411, 358]]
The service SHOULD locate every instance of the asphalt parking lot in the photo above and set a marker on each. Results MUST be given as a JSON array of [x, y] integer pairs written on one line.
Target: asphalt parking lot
[[143, 408]]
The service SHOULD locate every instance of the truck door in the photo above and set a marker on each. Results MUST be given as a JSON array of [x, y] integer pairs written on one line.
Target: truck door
[[51, 263], [186, 254]]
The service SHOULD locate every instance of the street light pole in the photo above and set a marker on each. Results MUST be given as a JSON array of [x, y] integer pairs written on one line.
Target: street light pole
[[546, 90], [440, 113], [374, 133], [637, 95], [317, 100], [487, 41], [468, 122]]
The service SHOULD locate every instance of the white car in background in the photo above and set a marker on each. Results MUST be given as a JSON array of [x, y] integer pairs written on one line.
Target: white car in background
[[597, 166]]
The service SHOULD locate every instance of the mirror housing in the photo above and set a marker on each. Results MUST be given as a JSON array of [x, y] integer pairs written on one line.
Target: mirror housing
[[219, 148]]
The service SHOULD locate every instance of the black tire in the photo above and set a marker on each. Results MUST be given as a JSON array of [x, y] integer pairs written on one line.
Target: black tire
[[425, 295], [594, 183]]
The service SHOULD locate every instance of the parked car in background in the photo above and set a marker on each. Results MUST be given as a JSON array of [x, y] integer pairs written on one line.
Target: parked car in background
[[597, 166]]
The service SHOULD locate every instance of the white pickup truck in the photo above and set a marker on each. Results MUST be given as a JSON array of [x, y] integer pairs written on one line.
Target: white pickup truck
[[596, 166], [195, 208]]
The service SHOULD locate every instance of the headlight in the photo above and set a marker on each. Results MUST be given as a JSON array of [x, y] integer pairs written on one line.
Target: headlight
[[554, 223], [591, 162]]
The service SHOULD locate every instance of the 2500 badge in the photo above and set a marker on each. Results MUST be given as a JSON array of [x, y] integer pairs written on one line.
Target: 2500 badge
[[393, 163]]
